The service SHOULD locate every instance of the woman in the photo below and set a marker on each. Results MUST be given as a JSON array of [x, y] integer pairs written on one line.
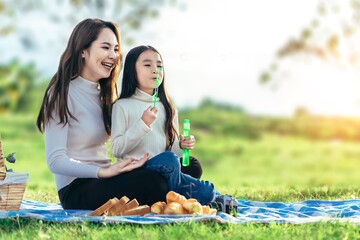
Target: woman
[[76, 118]]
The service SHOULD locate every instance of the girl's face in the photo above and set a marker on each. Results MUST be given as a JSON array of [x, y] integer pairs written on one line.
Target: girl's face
[[146, 66], [101, 57]]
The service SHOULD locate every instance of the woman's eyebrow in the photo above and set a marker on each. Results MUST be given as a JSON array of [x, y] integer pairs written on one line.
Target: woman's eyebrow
[[109, 44]]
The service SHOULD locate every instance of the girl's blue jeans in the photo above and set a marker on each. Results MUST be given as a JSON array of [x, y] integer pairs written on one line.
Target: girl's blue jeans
[[168, 165]]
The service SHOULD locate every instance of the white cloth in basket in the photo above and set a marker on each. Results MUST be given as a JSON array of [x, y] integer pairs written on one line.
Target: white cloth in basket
[[15, 177]]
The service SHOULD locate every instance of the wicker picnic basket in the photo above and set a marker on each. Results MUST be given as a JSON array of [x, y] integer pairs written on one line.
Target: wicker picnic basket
[[12, 186]]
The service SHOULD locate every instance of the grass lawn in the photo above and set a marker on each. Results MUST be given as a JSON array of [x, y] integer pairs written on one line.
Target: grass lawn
[[272, 168]]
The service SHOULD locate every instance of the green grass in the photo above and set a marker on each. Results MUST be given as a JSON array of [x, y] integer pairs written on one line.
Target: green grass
[[271, 168], [33, 229]]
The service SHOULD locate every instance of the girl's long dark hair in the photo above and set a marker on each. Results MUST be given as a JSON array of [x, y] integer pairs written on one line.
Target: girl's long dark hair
[[130, 82], [70, 67]]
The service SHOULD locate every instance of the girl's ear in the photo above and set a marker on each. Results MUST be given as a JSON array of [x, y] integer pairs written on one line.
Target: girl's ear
[[82, 54]]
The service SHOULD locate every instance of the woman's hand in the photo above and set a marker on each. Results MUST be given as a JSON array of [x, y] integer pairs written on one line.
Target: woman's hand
[[150, 115], [122, 166], [188, 142]]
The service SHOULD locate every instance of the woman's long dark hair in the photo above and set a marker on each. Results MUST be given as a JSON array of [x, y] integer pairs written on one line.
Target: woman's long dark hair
[[130, 82], [70, 67]]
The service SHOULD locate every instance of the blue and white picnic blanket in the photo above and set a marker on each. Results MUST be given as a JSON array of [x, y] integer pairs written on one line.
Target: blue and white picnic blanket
[[248, 211]]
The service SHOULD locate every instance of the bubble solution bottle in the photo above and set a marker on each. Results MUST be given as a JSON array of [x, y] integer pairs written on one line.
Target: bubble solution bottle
[[186, 133]]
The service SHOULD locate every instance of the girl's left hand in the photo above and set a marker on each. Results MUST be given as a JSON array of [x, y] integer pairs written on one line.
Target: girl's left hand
[[188, 142]]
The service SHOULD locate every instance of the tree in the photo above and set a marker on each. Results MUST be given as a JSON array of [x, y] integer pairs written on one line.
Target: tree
[[18, 81], [129, 14], [332, 36], [16, 84]]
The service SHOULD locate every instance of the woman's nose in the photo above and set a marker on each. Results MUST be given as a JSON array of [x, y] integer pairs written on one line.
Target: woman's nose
[[113, 54]]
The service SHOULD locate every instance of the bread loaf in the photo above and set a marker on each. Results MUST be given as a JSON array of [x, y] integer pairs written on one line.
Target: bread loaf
[[158, 207], [175, 197], [205, 210], [178, 204], [213, 210], [174, 208], [193, 206]]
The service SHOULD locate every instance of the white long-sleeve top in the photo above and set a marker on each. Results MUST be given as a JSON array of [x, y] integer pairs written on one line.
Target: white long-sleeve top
[[130, 136], [78, 149]]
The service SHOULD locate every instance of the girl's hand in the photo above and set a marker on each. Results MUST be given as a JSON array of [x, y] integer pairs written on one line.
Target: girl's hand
[[150, 115], [121, 167], [188, 142]]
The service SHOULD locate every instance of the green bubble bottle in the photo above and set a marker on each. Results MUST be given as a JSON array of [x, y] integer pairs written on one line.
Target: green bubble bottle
[[186, 133]]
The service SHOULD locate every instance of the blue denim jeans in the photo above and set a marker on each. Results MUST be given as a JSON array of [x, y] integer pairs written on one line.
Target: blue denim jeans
[[168, 165]]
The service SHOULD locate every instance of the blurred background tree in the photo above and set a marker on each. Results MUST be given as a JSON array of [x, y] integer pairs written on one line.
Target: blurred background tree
[[129, 14], [17, 85], [333, 28], [332, 36], [21, 86]]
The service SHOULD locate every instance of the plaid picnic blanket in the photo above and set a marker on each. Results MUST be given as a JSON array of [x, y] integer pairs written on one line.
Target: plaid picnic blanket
[[248, 211]]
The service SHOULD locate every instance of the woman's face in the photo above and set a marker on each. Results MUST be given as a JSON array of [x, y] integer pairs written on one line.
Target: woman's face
[[146, 66], [101, 57]]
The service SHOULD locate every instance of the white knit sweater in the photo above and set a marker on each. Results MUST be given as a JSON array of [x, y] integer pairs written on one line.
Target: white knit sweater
[[78, 149], [130, 136]]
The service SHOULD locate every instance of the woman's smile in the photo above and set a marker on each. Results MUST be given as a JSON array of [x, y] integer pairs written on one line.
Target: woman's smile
[[108, 66]]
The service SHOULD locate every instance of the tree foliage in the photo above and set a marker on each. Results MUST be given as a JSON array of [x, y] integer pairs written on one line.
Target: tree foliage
[[332, 36], [218, 119], [128, 14], [17, 83]]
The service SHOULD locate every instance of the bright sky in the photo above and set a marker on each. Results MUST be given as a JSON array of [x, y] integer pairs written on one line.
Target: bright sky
[[218, 49]]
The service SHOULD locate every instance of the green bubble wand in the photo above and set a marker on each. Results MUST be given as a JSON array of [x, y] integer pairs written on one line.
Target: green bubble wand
[[157, 84]]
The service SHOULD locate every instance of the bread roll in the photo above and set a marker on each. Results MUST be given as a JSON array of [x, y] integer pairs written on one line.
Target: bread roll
[[158, 207], [213, 210], [193, 206], [206, 209], [191, 200], [174, 208], [175, 197]]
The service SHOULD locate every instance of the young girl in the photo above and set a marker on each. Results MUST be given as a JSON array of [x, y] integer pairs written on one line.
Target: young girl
[[138, 127]]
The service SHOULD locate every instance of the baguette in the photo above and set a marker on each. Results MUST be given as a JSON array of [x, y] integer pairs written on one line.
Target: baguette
[[139, 210], [103, 209], [130, 205]]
